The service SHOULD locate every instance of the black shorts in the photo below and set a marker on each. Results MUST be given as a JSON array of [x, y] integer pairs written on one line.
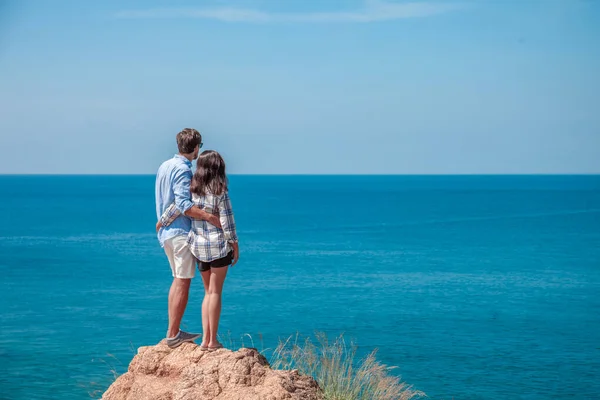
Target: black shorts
[[218, 263]]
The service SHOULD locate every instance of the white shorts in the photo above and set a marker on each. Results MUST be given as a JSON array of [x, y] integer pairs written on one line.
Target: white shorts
[[181, 259]]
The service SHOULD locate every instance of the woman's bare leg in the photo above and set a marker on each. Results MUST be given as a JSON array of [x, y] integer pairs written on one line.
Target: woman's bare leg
[[205, 320], [215, 290]]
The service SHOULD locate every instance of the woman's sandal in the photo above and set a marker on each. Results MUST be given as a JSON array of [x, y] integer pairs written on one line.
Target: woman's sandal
[[213, 348], [203, 348]]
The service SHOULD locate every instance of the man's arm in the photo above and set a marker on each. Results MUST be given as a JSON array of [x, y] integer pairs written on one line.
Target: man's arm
[[181, 190], [197, 213]]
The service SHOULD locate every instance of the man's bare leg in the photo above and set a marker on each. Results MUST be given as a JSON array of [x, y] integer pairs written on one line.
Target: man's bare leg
[[178, 298]]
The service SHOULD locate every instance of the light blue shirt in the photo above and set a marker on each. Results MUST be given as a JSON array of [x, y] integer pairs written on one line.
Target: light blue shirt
[[173, 186]]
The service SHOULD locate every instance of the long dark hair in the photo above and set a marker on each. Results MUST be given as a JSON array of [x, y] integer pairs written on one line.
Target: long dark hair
[[210, 174]]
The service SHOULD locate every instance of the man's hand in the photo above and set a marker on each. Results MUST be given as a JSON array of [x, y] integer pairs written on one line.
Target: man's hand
[[214, 220], [236, 253]]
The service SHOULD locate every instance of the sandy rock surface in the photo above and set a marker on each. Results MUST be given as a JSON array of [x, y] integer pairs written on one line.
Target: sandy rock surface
[[187, 372]]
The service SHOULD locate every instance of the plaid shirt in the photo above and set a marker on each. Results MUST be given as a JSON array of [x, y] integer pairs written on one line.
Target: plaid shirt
[[206, 241]]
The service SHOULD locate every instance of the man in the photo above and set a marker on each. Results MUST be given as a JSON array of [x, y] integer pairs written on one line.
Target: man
[[173, 185]]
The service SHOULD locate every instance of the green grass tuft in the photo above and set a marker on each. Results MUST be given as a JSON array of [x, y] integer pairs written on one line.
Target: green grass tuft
[[339, 374]]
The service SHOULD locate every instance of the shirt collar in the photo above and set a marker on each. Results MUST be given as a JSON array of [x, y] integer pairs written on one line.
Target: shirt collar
[[182, 158]]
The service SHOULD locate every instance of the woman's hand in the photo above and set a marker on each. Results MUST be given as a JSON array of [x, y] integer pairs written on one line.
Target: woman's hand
[[158, 226], [236, 253]]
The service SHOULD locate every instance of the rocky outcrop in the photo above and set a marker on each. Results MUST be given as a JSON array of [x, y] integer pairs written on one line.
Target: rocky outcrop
[[188, 372]]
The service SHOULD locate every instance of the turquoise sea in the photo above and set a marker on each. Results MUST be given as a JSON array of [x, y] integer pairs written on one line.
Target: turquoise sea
[[476, 287]]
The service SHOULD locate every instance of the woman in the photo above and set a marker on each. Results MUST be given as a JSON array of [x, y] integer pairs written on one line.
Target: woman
[[215, 247]]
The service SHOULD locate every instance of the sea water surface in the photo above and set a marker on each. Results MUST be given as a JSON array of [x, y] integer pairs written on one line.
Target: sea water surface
[[476, 287]]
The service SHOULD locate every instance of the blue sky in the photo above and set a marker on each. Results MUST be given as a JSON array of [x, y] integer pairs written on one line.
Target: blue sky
[[317, 87]]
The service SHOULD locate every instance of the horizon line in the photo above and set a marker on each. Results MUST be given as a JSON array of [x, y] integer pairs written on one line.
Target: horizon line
[[309, 174]]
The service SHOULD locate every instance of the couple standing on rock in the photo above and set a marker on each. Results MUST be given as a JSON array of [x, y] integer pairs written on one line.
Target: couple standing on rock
[[195, 227]]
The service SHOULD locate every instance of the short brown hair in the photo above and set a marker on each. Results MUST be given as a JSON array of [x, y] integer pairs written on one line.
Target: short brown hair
[[187, 140]]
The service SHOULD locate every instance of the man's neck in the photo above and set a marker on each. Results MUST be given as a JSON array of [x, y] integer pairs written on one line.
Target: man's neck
[[188, 156]]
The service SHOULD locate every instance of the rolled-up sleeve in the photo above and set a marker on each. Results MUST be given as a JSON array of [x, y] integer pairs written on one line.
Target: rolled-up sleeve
[[226, 218], [181, 189]]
